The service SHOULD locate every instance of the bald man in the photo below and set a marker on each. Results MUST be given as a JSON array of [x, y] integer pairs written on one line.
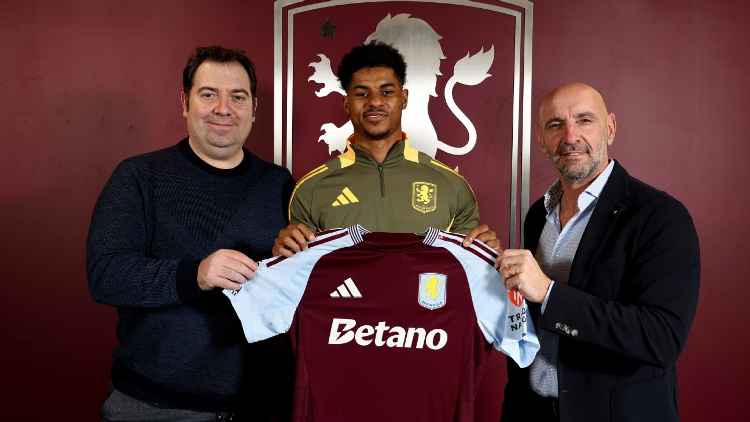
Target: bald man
[[611, 275]]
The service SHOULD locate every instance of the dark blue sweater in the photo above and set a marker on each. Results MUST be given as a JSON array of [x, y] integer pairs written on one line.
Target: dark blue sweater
[[158, 215]]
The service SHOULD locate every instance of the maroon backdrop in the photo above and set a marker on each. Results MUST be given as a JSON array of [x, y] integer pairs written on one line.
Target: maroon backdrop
[[88, 83]]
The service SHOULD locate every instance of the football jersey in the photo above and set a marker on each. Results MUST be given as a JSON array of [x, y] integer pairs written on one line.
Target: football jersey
[[407, 192], [387, 326]]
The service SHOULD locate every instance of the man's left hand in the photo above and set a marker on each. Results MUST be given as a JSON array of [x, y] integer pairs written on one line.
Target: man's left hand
[[521, 271], [482, 232]]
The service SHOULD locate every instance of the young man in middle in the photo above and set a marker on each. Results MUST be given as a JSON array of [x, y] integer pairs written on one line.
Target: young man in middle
[[380, 181]]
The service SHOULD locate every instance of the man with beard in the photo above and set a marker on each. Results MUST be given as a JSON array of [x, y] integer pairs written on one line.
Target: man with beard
[[380, 181], [611, 273]]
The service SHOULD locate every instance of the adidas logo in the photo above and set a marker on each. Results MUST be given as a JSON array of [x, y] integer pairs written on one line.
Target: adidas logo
[[347, 289], [346, 197]]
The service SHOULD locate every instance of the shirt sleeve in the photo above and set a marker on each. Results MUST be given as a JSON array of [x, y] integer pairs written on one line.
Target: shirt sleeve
[[301, 206], [503, 323], [546, 296], [266, 304], [466, 215]]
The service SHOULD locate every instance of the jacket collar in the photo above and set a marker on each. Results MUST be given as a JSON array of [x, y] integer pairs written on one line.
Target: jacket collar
[[401, 150], [611, 206], [592, 192]]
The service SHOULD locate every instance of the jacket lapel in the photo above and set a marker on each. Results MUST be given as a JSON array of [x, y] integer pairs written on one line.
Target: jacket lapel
[[610, 206], [534, 224]]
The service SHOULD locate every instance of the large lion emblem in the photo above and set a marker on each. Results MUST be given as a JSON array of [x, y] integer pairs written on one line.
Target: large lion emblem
[[420, 46]]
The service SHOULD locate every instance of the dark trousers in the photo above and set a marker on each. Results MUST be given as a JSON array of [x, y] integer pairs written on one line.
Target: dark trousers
[[546, 409], [120, 407], [530, 407]]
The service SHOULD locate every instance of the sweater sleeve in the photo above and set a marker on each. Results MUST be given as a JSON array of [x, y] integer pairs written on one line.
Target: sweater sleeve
[[466, 215], [120, 272], [301, 206]]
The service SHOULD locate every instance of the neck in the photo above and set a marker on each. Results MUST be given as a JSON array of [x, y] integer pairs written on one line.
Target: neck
[[569, 200], [573, 188], [220, 161], [378, 149]]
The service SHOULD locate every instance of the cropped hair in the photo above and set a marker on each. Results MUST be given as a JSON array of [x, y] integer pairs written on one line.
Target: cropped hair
[[218, 54], [372, 54]]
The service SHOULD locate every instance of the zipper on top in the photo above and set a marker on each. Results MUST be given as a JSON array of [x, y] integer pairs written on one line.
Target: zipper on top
[[382, 181]]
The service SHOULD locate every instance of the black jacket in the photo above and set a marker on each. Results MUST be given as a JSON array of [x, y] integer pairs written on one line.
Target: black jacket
[[624, 315]]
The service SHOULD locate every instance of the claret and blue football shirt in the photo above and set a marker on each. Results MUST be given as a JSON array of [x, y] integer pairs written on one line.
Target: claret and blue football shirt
[[387, 326]]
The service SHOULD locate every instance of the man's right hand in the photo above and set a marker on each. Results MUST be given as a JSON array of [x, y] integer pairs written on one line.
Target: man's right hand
[[225, 269], [521, 271], [292, 239]]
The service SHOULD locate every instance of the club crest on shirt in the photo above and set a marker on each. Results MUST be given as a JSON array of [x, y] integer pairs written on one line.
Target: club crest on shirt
[[432, 288], [424, 197], [515, 297]]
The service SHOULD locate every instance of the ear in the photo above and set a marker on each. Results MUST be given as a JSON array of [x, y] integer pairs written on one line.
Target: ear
[[184, 101], [539, 138], [537, 134], [611, 128], [346, 104], [255, 107], [540, 141], [406, 98]]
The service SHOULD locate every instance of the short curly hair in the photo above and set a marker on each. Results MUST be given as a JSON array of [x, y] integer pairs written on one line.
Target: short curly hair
[[372, 54]]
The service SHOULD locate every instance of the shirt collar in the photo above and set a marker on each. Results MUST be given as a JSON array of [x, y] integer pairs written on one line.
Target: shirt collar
[[591, 193], [400, 150]]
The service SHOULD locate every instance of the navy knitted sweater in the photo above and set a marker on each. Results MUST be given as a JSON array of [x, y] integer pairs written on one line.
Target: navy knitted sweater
[[158, 215]]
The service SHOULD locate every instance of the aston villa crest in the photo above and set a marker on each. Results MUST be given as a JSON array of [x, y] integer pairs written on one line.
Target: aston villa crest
[[424, 197], [432, 290]]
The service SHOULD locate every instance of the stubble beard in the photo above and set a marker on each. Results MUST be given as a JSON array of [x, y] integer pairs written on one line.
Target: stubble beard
[[575, 172]]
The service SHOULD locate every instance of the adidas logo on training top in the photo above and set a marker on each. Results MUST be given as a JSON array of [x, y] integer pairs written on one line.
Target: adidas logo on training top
[[346, 197], [347, 290]]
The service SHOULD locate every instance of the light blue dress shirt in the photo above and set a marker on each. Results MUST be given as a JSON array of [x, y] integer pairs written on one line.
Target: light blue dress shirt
[[555, 252]]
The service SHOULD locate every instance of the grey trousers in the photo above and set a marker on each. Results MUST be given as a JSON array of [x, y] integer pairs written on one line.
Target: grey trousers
[[120, 407]]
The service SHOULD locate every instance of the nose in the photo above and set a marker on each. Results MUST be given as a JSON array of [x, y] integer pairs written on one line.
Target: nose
[[375, 100], [571, 133], [222, 106]]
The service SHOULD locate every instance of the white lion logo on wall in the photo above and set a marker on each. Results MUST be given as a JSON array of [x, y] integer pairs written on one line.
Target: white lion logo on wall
[[420, 45]]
